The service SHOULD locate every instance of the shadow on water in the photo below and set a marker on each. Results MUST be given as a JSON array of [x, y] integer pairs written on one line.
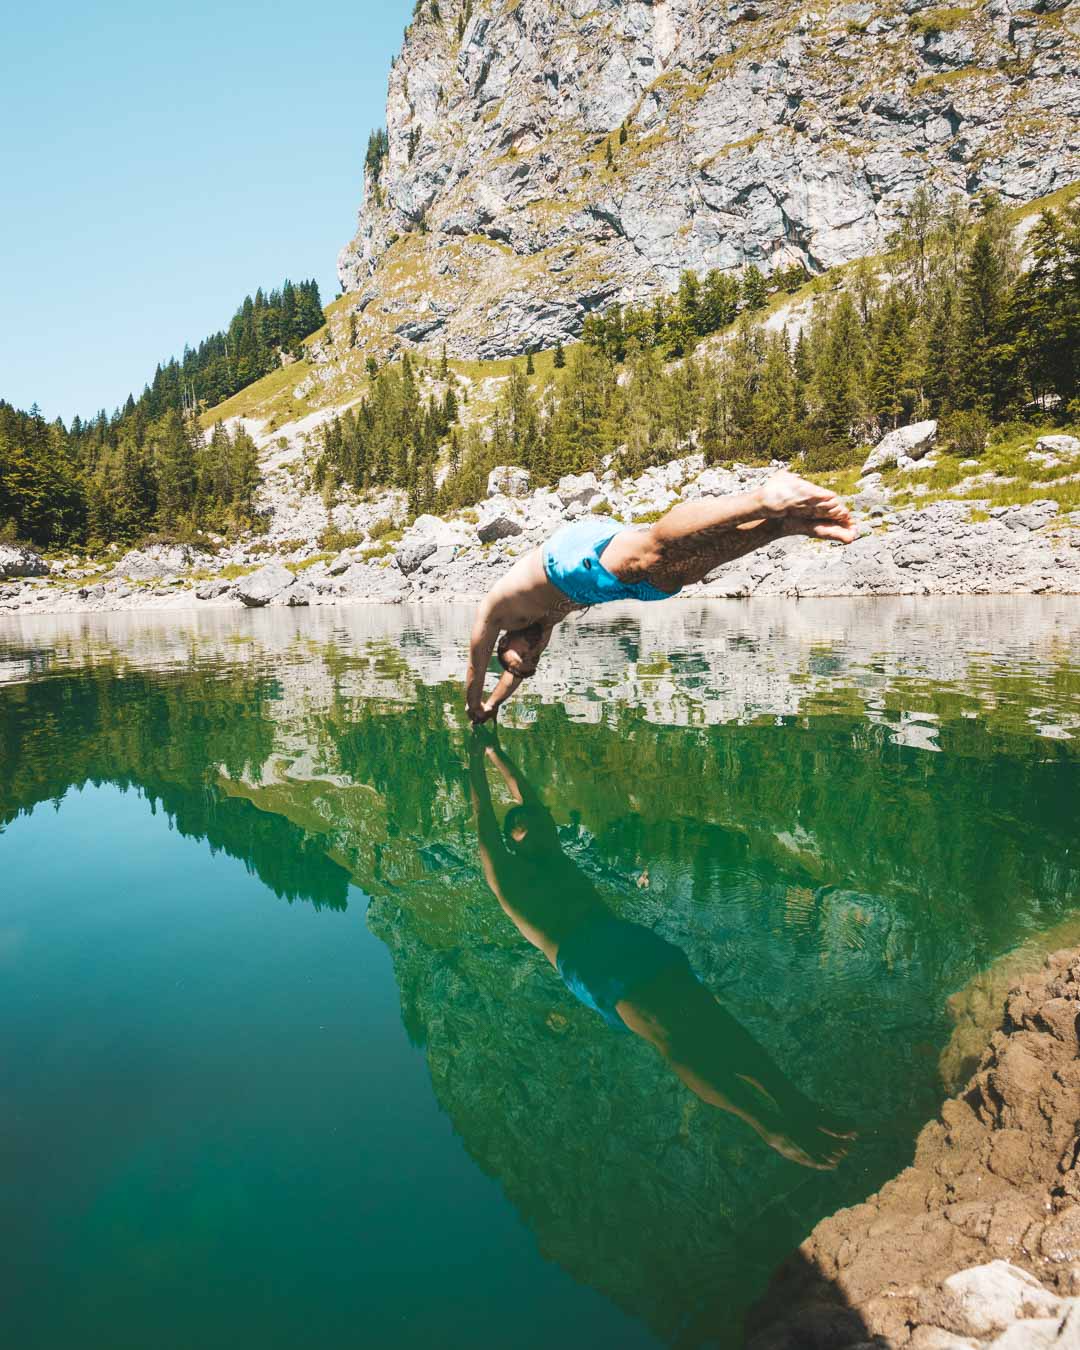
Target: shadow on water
[[772, 910]]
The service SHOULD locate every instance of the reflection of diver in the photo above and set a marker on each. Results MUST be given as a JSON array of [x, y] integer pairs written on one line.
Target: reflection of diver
[[633, 977]]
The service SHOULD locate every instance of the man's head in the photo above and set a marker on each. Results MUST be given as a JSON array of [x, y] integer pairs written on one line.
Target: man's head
[[530, 831], [518, 651]]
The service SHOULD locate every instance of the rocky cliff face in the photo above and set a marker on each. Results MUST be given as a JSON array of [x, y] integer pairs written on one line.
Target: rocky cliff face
[[547, 157]]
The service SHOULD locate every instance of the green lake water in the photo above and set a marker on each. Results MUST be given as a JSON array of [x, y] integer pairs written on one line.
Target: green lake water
[[278, 1069]]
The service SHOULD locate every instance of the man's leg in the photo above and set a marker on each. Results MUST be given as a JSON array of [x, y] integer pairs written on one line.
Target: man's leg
[[694, 538], [720, 1062]]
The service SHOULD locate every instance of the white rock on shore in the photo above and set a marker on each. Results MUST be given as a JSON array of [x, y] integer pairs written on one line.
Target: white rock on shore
[[911, 443], [18, 560]]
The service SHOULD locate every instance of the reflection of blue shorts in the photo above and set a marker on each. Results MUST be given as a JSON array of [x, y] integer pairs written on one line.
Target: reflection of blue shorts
[[605, 959], [572, 563]]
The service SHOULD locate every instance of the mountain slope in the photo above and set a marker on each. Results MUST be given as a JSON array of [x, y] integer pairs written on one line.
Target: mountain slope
[[546, 157]]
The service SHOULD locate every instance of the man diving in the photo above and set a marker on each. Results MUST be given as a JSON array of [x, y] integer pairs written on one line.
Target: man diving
[[594, 559]]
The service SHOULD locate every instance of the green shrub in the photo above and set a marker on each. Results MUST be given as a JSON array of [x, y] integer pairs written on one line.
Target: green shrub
[[333, 540], [383, 550], [965, 433], [827, 458], [382, 528], [935, 21]]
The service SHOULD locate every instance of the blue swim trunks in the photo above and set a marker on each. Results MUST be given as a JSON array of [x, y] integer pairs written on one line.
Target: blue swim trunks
[[572, 563], [606, 959]]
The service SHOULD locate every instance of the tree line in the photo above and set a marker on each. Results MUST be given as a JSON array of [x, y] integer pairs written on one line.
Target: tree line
[[953, 327], [148, 467], [120, 481], [393, 439]]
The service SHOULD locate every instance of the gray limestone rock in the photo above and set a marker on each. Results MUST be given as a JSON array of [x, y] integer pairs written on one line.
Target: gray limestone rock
[[496, 523], [753, 134], [372, 581], [910, 442], [410, 556], [574, 489], [508, 481], [1033, 516], [340, 564], [1063, 447], [295, 597], [264, 585], [19, 560], [157, 561], [213, 590]]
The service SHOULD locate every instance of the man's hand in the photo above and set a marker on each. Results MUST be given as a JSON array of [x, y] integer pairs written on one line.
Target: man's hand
[[482, 712]]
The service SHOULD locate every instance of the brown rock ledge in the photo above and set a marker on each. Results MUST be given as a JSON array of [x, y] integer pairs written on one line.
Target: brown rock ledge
[[995, 1184]]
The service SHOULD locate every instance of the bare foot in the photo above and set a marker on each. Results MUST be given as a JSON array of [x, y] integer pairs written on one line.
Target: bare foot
[[821, 1149], [800, 1131], [785, 494]]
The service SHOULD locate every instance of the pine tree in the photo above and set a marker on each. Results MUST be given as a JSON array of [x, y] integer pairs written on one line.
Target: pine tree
[[944, 356], [755, 293], [560, 356], [839, 359], [718, 302], [888, 362], [980, 321], [773, 402], [175, 467]]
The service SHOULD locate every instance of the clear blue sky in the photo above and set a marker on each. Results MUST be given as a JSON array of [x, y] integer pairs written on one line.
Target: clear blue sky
[[158, 162]]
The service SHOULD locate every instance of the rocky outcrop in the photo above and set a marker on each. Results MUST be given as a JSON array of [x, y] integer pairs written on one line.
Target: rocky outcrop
[[978, 1242], [910, 442], [19, 560], [157, 560], [547, 157]]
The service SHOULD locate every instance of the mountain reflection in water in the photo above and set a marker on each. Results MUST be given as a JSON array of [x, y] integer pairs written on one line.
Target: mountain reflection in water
[[835, 813]]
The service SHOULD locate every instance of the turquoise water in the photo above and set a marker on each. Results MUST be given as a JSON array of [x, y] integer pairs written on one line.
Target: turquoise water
[[280, 1065]]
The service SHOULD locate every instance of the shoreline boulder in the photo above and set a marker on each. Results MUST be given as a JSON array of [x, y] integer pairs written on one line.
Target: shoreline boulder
[[264, 585], [19, 560]]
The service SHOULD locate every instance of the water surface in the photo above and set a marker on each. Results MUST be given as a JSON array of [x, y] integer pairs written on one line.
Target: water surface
[[277, 1067]]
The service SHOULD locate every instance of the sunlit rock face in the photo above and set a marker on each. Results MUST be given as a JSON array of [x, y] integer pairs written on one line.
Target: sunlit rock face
[[547, 157]]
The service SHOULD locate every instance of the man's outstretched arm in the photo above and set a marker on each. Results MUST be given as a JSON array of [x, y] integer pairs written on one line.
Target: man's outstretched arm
[[481, 645], [490, 706]]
